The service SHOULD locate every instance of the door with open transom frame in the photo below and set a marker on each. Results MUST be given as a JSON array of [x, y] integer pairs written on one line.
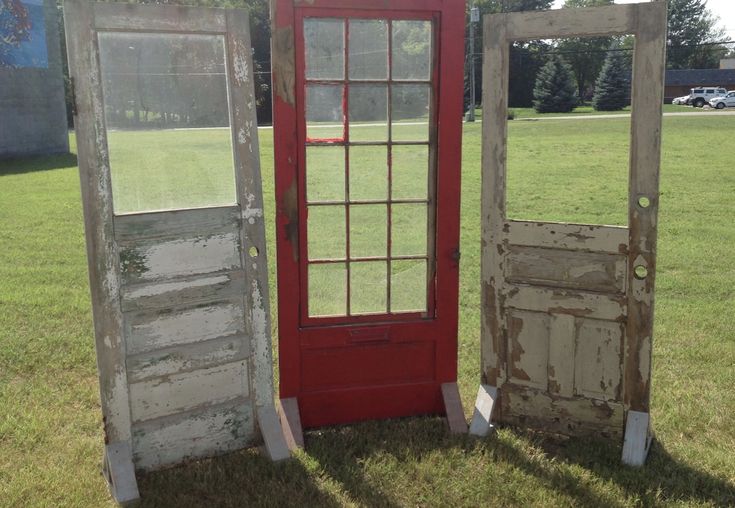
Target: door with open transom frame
[[367, 170]]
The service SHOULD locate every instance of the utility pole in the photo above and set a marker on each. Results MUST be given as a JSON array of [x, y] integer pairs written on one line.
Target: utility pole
[[474, 18]]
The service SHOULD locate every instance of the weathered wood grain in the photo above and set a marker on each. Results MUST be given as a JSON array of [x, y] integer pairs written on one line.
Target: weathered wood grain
[[537, 409], [562, 354], [579, 22], [176, 223], [167, 18], [555, 235], [156, 260], [598, 362], [453, 407], [185, 391], [168, 361], [180, 292], [148, 331], [528, 348], [586, 271], [564, 301], [202, 433]]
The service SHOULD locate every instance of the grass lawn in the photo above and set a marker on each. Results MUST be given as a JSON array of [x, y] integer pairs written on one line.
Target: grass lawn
[[50, 421], [587, 111]]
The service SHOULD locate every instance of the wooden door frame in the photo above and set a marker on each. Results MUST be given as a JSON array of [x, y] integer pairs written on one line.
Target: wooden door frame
[[284, 16], [84, 20], [647, 22]]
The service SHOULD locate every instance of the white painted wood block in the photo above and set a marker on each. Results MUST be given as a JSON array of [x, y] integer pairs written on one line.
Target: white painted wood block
[[270, 428], [637, 439], [487, 397], [120, 473]]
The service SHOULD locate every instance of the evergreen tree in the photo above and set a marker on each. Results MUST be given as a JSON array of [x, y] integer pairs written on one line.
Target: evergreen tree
[[612, 89], [691, 25], [555, 91]]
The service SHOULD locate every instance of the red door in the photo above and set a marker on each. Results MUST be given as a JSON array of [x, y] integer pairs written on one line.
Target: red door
[[368, 105]]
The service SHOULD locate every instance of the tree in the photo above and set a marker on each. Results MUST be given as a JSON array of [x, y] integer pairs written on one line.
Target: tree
[[585, 54], [612, 89], [691, 25], [554, 91], [525, 57]]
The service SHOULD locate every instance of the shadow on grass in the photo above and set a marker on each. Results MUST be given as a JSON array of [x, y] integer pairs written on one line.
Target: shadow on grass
[[35, 164], [358, 460]]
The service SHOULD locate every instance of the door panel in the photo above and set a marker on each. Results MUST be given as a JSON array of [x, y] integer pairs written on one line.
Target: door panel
[[568, 308], [367, 184], [168, 157]]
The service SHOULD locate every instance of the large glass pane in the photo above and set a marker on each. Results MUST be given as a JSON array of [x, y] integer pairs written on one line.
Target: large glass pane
[[368, 231], [327, 289], [168, 121], [408, 229], [410, 172], [368, 172], [324, 43], [368, 287], [408, 286], [412, 49], [324, 113], [326, 232], [368, 49], [368, 112], [410, 112], [325, 173]]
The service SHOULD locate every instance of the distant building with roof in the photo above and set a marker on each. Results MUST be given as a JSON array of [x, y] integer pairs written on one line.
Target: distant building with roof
[[679, 82]]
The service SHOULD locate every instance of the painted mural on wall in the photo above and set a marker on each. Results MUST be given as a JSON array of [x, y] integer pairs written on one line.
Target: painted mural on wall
[[22, 34]]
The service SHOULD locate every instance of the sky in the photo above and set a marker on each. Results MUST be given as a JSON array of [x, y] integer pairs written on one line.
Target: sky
[[723, 9]]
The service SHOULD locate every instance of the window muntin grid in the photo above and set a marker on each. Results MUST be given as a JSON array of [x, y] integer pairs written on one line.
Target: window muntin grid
[[374, 110]]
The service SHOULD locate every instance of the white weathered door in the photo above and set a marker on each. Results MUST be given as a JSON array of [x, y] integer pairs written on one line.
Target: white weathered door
[[170, 177], [568, 308]]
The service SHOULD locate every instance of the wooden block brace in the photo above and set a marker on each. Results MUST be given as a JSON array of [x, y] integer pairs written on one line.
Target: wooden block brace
[[288, 410], [454, 409], [487, 397], [120, 473], [270, 427], [638, 437]]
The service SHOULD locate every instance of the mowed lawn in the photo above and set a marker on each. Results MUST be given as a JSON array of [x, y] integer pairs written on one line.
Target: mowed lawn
[[50, 420]]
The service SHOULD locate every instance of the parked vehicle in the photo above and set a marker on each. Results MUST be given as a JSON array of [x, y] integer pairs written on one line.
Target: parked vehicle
[[726, 101], [701, 96], [681, 101]]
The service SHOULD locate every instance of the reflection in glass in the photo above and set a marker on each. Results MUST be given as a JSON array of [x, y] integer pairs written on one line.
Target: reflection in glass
[[325, 173], [326, 232], [324, 113], [368, 172], [412, 49], [368, 113], [324, 42], [408, 229], [408, 286], [368, 49], [410, 112], [410, 172], [167, 118], [368, 287], [327, 289], [368, 231]]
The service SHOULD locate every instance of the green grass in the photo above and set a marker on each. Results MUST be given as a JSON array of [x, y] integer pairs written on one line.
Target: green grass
[[50, 420], [521, 113]]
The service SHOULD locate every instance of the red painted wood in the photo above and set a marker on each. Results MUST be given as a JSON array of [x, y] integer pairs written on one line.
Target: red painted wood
[[381, 366]]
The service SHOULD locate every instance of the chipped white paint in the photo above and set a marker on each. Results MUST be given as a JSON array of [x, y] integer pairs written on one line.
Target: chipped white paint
[[262, 356], [160, 288], [598, 362], [610, 239], [181, 257], [150, 331], [240, 64], [188, 390], [169, 441]]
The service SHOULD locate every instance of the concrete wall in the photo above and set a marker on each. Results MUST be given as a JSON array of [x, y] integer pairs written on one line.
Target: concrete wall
[[32, 108]]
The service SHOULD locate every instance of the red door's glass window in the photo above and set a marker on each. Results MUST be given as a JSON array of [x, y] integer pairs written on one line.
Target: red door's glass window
[[368, 93]]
